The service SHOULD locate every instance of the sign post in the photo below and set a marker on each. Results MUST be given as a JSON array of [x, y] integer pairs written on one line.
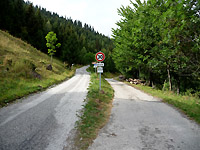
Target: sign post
[[99, 81], [95, 67], [100, 57]]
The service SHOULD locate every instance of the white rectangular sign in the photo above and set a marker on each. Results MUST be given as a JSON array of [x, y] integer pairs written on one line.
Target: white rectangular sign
[[100, 70], [100, 64]]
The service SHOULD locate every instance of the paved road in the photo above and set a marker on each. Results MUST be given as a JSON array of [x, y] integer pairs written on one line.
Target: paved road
[[141, 122], [44, 120]]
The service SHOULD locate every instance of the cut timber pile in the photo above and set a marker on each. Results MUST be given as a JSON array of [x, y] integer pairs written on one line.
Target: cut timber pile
[[135, 81]]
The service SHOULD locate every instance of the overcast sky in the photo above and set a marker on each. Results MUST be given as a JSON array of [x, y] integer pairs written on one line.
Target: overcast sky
[[100, 14]]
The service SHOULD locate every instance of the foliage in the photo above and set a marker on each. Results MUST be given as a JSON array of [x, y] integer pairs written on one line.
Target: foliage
[[95, 113], [51, 41], [158, 40]]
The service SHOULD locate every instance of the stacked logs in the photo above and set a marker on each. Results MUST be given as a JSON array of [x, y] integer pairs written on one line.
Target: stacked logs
[[135, 81]]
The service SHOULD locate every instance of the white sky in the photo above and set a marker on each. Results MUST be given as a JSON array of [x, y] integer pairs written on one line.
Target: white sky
[[100, 14]]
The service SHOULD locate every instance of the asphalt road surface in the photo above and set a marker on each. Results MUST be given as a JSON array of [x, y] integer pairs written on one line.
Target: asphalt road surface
[[140, 122], [44, 120]]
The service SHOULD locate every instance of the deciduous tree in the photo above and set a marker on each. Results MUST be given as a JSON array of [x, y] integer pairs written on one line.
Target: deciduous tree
[[51, 43]]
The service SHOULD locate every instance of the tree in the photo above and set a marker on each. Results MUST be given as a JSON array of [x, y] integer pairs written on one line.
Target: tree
[[159, 40], [51, 43]]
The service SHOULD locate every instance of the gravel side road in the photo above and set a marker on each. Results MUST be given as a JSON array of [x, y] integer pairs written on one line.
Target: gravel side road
[[44, 120], [140, 122]]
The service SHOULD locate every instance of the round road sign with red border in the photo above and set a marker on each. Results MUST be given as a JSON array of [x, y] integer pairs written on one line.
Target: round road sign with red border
[[100, 56]]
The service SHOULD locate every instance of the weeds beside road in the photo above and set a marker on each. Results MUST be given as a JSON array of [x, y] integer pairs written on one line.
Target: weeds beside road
[[95, 113]]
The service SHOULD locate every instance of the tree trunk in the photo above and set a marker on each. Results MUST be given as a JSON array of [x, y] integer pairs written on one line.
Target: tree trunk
[[178, 86], [139, 73], [163, 89], [152, 85], [169, 77], [151, 79]]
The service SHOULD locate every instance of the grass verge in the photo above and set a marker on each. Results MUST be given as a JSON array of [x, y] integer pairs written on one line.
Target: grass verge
[[188, 104], [12, 89], [95, 113], [23, 69]]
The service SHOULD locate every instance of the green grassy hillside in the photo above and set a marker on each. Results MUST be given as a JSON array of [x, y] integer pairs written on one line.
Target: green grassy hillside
[[23, 69]]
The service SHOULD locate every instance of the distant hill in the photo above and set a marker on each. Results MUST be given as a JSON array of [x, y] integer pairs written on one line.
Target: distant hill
[[32, 23], [23, 69]]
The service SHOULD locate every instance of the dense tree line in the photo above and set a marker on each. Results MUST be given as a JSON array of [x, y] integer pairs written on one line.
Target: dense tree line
[[32, 23], [159, 41]]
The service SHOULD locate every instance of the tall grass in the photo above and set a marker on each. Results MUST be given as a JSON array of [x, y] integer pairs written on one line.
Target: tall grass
[[23, 69]]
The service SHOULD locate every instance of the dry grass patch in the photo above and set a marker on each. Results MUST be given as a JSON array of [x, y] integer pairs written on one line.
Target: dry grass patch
[[23, 69]]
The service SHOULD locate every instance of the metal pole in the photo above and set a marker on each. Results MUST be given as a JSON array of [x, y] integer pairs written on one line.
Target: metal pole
[[99, 81]]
